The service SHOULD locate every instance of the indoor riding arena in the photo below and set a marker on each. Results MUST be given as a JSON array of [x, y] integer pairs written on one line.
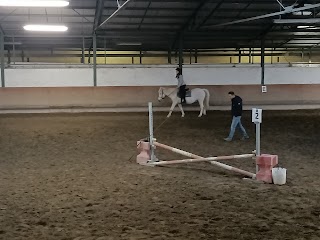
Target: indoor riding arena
[[89, 147]]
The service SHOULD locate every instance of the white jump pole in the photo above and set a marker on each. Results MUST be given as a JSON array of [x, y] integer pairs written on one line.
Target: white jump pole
[[151, 132], [197, 158], [208, 159]]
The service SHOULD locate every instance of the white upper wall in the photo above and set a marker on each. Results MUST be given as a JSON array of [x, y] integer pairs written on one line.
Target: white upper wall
[[157, 75], [48, 77]]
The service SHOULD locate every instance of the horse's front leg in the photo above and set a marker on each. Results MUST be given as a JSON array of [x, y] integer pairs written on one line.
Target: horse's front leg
[[181, 109], [171, 109]]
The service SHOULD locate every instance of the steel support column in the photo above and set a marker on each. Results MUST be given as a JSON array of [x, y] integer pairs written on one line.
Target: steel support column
[[9, 57], [2, 59], [169, 56], [105, 51], [22, 55], [13, 51], [83, 60], [310, 60], [196, 56], [180, 51], [95, 60], [262, 61]]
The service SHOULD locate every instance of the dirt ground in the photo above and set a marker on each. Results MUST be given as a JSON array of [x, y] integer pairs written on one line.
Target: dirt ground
[[70, 177]]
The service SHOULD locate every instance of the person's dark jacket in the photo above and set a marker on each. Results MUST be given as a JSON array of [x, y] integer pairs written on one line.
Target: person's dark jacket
[[236, 109]]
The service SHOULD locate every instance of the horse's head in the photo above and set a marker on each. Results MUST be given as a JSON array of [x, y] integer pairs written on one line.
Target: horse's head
[[161, 93]]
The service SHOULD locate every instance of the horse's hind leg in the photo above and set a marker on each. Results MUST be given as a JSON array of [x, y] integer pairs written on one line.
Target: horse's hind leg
[[204, 110], [201, 108]]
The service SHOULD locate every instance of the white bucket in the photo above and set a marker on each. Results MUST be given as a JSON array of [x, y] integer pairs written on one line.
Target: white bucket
[[279, 175]]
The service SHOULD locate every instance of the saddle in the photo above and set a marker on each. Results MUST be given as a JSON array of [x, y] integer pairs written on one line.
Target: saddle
[[188, 93]]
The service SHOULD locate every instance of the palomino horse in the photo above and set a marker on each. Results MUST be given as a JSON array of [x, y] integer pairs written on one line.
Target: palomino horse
[[197, 94]]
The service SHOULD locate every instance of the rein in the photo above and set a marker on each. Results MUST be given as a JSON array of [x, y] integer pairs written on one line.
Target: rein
[[165, 94]]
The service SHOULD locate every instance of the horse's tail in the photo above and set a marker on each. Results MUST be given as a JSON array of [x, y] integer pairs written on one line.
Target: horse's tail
[[207, 98]]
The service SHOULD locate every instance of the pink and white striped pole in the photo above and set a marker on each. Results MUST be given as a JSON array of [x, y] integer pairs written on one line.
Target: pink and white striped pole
[[212, 160]]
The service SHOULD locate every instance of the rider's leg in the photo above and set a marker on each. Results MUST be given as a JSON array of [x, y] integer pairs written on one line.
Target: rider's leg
[[183, 93]]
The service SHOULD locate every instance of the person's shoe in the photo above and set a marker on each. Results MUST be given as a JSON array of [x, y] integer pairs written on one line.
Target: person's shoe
[[227, 139], [244, 138]]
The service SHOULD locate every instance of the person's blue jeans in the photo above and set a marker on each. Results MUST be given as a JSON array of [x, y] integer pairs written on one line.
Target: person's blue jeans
[[236, 122]]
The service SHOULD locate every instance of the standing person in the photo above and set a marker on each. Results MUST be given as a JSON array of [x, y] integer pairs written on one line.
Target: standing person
[[181, 85], [236, 110]]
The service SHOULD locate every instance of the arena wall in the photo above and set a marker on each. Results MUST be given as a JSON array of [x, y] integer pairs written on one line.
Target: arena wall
[[65, 86]]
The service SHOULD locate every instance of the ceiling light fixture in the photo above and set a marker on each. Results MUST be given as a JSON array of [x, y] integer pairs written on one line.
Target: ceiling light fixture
[[33, 3], [302, 13], [46, 28], [308, 27]]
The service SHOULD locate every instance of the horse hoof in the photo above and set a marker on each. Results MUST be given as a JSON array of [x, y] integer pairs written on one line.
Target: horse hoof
[[182, 116]]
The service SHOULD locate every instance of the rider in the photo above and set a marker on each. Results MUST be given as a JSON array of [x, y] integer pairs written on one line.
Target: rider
[[181, 85]]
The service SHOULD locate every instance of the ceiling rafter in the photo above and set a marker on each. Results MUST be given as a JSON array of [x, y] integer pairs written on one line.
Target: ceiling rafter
[[160, 22]]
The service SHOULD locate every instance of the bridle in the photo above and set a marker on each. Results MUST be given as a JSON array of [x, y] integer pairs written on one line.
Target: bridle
[[163, 95]]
